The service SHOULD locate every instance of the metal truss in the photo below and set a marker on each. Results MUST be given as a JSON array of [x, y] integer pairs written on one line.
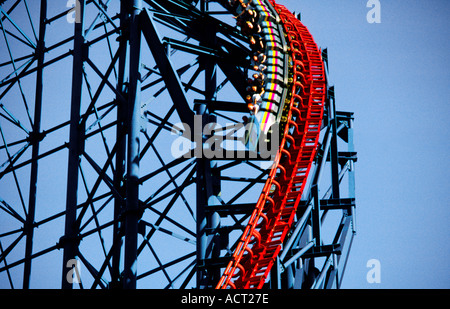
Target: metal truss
[[91, 193], [316, 251]]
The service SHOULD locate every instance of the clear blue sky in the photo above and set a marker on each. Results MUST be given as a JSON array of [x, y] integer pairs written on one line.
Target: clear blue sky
[[395, 77]]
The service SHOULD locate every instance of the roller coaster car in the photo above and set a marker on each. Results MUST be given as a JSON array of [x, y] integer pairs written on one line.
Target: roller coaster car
[[274, 75]]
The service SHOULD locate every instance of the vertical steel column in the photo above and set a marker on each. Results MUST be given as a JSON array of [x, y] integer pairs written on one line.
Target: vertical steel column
[[207, 222], [203, 194], [213, 217], [314, 229], [351, 172], [132, 186], [334, 155], [347, 226], [76, 143], [121, 143], [314, 190], [35, 139], [275, 275]]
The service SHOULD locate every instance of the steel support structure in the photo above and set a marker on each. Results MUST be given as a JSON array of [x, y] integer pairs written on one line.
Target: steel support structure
[[29, 230], [122, 210], [134, 111], [207, 222], [298, 260], [121, 144], [69, 241]]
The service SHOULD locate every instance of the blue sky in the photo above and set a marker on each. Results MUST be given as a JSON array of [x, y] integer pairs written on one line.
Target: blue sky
[[394, 76]]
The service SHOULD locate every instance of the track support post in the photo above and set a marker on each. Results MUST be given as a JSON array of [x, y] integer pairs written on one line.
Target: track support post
[[29, 229], [132, 184], [69, 241]]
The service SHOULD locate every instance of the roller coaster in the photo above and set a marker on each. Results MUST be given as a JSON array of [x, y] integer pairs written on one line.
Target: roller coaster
[[90, 179]]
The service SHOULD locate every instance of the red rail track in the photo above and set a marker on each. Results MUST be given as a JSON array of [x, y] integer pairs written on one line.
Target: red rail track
[[276, 207]]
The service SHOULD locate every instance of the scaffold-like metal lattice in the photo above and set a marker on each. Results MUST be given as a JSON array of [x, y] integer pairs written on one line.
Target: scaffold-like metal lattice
[[170, 144]]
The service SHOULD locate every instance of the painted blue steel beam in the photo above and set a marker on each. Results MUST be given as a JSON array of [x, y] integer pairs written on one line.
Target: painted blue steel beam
[[134, 113], [69, 241], [29, 229], [235, 49], [169, 74]]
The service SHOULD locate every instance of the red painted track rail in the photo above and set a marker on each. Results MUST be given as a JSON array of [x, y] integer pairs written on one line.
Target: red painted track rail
[[275, 209]]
